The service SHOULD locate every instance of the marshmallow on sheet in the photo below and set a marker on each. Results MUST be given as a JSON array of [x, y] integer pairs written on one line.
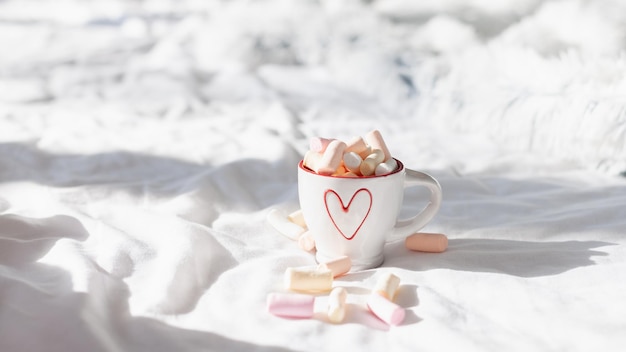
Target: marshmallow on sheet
[[385, 310], [291, 305], [306, 241], [337, 304], [387, 286], [281, 224], [337, 266], [297, 218], [427, 242], [308, 279]]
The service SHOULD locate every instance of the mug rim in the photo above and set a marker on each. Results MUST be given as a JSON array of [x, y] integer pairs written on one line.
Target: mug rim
[[397, 170]]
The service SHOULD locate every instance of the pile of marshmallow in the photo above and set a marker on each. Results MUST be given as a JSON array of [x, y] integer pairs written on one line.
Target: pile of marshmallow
[[299, 281], [304, 283], [359, 157]]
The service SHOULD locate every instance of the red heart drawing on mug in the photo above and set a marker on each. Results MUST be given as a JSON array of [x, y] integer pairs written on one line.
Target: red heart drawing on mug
[[349, 218]]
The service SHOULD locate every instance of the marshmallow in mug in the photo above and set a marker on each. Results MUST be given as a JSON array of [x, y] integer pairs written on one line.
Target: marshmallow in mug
[[358, 157]]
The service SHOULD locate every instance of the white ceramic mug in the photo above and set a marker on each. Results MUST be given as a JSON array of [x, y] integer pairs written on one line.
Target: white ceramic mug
[[355, 216]]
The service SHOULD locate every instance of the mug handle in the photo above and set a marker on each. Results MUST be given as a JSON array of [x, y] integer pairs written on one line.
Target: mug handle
[[404, 228]]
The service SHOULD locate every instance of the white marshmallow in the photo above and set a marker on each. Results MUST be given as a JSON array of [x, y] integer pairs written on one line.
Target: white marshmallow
[[297, 218], [306, 241], [281, 224], [387, 286], [386, 167], [352, 161], [337, 304], [368, 166]]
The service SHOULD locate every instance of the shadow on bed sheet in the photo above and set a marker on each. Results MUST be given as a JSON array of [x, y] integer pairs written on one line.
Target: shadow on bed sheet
[[42, 311], [26, 162], [518, 258], [243, 184]]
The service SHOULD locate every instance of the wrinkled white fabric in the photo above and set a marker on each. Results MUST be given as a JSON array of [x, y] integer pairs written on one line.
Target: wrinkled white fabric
[[142, 145]]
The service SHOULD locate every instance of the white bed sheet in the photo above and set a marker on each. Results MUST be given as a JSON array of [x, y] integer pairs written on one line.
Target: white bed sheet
[[142, 145]]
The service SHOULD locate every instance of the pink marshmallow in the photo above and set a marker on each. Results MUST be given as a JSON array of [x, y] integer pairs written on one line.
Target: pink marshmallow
[[337, 266], [331, 159], [356, 145], [291, 305], [312, 159], [375, 140], [427, 242], [385, 310], [319, 144]]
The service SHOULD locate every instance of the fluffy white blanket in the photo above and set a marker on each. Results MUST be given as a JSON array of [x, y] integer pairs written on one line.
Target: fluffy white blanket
[[143, 143]]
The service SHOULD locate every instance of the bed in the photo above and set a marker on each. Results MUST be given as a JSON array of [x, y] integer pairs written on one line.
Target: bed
[[143, 144]]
